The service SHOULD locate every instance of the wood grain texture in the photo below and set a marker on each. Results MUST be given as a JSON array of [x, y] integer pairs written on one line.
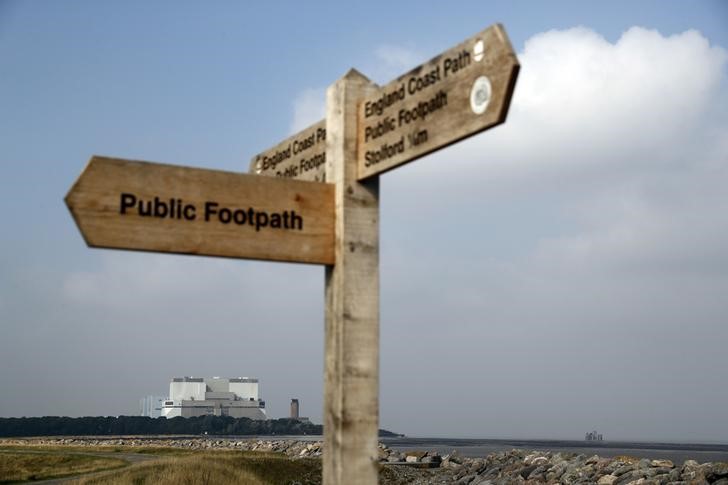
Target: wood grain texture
[[301, 156], [451, 77], [95, 203], [351, 375]]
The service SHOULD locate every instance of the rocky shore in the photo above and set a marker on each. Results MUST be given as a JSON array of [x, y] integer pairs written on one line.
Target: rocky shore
[[424, 467]]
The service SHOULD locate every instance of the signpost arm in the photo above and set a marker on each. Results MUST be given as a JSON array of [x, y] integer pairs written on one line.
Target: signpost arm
[[351, 373]]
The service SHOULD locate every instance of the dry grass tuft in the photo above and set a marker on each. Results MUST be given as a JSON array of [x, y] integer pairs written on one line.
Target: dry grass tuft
[[208, 468], [17, 466]]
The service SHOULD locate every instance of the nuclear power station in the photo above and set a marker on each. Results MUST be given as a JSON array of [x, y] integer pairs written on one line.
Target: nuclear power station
[[214, 396]]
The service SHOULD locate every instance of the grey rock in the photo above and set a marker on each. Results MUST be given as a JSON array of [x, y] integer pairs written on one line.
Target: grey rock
[[628, 478], [557, 471], [571, 476], [692, 474], [592, 460], [431, 459], [715, 471], [490, 473], [607, 480], [526, 471], [622, 470], [674, 475], [455, 457], [539, 472], [462, 473], [612, 466]]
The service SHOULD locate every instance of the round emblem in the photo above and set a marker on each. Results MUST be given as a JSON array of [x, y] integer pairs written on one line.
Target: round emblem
[[480, 95]]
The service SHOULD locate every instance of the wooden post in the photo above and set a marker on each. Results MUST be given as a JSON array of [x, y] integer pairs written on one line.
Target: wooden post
[[351, 373], [362, 140]]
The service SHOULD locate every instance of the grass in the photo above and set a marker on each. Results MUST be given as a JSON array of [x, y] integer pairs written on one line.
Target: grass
[[173, 466], [145, 450], [167, 466], [17, 466], [203, 468]]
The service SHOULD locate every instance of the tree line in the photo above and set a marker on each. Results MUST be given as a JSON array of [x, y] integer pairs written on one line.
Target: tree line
[[143, 425]]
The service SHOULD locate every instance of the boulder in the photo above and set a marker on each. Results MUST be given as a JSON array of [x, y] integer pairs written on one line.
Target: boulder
[[607, 480], [526, 471]]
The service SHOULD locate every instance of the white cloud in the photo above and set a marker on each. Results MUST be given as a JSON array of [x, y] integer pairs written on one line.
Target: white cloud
[[626, 136], [607, 187], [581, 101], [309, 107], [631, 121]]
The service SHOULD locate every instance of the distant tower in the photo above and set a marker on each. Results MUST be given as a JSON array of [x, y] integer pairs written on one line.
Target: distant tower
[[294, 409]]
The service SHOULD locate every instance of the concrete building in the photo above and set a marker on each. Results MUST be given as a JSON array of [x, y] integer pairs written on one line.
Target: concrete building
[[296, 411], [217, 396], [151, 406]]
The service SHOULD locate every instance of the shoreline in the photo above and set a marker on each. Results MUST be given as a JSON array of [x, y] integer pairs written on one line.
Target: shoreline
[[425, 466], [469, 447]]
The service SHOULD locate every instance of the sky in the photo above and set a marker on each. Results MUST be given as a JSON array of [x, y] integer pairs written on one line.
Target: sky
[[563, 272]]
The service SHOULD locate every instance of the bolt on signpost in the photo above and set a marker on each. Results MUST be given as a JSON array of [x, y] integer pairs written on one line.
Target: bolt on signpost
[[318, 205]]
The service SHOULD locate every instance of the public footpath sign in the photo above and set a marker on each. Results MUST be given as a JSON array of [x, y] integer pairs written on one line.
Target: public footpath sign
[[459, 93], [301, 156], [146, 206], [318, 202]]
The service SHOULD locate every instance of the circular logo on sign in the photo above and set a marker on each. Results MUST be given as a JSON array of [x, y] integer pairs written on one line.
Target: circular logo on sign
[[480, 95], [478, 50]]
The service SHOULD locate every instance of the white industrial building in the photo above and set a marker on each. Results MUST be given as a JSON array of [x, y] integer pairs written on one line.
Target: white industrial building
[[151, 406], [216, 396]]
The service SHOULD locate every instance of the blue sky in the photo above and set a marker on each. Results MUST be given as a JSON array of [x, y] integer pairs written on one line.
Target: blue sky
[[570, 273]]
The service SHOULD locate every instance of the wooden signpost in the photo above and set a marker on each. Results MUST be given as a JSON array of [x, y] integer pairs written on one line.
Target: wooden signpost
[[301, 156], [126, 204], [459, 93], [329, 216]]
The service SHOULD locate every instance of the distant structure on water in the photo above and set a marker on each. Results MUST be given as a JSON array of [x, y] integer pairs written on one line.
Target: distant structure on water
[[594, 436], [151, 406], [214, 396]]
